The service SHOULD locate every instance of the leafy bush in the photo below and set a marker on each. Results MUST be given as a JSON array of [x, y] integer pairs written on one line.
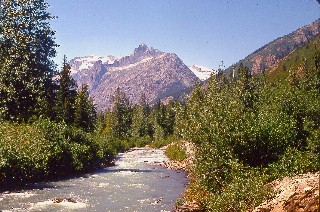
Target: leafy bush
[[44, 149], [162, 142], [246, 191], [294, 162], [176, 152], [250, 131]]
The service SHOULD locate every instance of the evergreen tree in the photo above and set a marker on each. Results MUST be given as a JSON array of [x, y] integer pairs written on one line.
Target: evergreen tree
[[66, 94], [247, 88], [101, 121], [108, 122], [141, 124], [317, 71], [85, 112], [27, 47], [164, 119], [122, 115]]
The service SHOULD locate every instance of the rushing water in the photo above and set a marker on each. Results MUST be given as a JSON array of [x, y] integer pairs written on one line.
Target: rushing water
[[135, 183]]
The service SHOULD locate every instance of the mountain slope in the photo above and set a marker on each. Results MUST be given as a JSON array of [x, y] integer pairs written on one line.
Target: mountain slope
[[147, 71], [295, 60], [269, 55]]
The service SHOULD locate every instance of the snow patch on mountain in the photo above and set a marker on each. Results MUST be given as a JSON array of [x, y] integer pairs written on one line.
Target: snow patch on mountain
[[203, 73], [147, 71], [87, 62]]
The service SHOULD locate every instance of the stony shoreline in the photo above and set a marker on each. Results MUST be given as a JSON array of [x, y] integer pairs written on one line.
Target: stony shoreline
[[186, 165]]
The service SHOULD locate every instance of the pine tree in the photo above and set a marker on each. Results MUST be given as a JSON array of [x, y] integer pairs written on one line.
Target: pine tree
[[121, 115], [85, 112], [141, 123], [66, 94], [164, 119], [247, 88], [27, 47]]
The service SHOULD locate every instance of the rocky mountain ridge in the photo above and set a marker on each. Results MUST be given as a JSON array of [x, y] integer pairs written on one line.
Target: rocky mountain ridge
[[270, 54], [147, 71]]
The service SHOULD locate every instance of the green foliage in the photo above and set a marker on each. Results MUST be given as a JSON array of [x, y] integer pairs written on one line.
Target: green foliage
[[26, 48], [40, 148], [243, 193], [176, 152], [66, 95], [163, 142], [249, 131], [140, 124], [121, 116], [293, 162], [45, 149], [164, 119], [85, 112], [141, 120], [295, 60]]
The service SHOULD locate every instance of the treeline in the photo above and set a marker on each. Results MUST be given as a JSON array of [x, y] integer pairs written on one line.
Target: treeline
[[248, 131], [137, 125]]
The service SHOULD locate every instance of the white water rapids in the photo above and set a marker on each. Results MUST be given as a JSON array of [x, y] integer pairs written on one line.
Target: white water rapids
[[135, 183]]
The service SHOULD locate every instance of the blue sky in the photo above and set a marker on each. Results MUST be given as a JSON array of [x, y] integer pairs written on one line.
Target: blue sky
[[202, 32]]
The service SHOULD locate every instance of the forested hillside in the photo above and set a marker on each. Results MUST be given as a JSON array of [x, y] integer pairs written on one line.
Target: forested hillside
[[297, 60], [251, 130]]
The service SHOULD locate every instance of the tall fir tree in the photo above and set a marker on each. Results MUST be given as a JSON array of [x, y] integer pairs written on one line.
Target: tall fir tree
[[247, 88], [121, 119], [141, 123], [85, 112], [27, 46], [66, 94]]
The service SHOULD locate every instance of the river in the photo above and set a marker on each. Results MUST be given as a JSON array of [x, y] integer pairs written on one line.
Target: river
[[135, 183]]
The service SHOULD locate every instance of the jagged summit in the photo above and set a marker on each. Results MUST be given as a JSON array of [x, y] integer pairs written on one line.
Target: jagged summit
[[142, 48], [156, 74]]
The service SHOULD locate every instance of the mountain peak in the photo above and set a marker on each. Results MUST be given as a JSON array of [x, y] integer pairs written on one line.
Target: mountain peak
[[147, 71], [143, 49]]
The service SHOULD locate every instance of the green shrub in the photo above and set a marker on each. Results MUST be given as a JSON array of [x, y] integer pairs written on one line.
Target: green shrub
[[176, 152], [43, 149], [247, 127], [162, 142], [246, 191], [294, 162]]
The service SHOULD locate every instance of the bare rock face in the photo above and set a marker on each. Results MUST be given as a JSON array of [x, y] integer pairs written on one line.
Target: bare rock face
[[150, 72], [269, 55]]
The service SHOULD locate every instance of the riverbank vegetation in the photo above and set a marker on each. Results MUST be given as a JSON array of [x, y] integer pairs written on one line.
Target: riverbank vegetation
[[248, 129], [47, 124]]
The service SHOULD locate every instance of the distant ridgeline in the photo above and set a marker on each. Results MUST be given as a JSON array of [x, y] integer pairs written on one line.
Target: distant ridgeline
[[269, 55]]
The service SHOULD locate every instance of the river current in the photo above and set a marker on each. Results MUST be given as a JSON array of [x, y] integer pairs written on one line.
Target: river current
[[135, 183]]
